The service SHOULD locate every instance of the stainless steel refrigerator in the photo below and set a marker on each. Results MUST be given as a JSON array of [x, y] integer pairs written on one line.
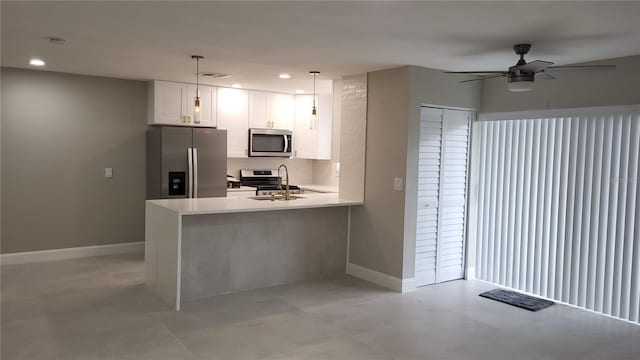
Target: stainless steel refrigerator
[[186, 162]]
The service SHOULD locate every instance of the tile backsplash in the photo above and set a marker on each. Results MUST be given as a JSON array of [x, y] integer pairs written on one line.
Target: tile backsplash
[[300, 170]]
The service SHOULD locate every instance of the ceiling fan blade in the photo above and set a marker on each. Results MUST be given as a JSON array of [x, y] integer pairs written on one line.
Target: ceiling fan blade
[[545, 76], [583, 67], [533, 67], [479, 73], [482, 78]]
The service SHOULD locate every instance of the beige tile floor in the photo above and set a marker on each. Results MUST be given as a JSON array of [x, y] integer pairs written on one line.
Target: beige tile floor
[[98, 308]]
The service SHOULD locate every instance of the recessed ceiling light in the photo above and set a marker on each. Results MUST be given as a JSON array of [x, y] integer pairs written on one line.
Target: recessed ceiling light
[[284, 76], [36, 62], [299, 91], [236, 86]]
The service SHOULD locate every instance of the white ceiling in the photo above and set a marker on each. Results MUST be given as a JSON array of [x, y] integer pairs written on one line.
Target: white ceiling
[[255, 41]]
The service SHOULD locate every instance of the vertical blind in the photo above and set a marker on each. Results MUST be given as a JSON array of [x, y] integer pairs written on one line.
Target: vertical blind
[[557, 211], [441, 201]]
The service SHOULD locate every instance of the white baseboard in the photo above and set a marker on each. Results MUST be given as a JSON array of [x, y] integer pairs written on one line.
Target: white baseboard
[[471, 274], [70, 253], [384, 280], [409, 285]]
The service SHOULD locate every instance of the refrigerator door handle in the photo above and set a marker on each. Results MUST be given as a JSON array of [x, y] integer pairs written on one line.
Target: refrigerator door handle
[[286, 143], [190, 160], [195, 172]]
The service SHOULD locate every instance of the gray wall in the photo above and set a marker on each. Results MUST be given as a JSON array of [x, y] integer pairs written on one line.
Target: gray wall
[[377, 226], [59, 132], [570, 89], [383, 230]]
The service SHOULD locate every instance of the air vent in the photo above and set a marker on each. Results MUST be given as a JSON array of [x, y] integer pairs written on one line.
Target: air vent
[[214, 75]]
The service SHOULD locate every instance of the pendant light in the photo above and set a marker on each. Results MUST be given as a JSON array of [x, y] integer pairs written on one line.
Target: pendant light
[[314, 109], [196, 102]]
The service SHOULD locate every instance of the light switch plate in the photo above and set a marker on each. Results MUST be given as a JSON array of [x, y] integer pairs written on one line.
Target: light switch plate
[[397, 184], [108, 172]]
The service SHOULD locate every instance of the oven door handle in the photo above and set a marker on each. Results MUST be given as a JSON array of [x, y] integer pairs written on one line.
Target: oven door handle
[[286, 143]]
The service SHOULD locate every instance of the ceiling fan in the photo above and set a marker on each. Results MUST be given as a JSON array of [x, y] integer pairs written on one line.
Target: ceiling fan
[[520, 77]]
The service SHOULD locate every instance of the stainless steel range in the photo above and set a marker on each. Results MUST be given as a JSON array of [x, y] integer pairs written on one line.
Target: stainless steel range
[[265, 182]]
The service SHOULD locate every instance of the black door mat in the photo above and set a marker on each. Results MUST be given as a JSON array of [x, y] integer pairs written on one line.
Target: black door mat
[[517, 299]]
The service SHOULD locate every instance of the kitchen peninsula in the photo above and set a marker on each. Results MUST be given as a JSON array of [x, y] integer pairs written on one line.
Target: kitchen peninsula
[[201, 247]]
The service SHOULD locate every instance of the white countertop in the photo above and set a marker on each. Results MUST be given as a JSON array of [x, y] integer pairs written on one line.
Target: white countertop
[[320, 188], [244, 204]]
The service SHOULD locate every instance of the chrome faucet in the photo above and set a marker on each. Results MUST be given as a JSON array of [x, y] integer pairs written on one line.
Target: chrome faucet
[[286, 194]]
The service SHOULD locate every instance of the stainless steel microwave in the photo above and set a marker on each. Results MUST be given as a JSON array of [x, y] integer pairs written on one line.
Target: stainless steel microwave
[[270, 142]]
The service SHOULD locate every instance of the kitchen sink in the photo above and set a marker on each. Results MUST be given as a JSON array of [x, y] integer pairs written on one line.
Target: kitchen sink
[[275, 198]]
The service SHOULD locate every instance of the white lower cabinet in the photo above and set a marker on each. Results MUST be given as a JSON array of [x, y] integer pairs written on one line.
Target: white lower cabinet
[[233, 116]]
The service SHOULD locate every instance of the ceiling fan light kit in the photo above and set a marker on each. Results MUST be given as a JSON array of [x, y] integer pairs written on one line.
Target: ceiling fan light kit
[[522, 75], [520, 86]]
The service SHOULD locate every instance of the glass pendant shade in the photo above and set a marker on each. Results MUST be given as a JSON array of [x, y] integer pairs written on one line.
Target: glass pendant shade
[[197, 105]]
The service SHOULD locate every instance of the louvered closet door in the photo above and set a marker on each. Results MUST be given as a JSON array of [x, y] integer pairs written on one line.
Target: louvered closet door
[[442, 175], [428, 194], [453, 184]]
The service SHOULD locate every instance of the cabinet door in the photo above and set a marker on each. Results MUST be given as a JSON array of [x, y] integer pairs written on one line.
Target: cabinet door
[[325, 125], [169, 102], [305, 137], [259, 110], [208, 101], [233, 116], [282, 110]]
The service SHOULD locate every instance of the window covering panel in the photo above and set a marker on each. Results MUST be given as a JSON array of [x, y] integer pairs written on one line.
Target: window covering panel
[[557, 211]]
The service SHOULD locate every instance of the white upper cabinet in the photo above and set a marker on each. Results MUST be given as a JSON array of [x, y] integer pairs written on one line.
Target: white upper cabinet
[[208, 105], [233, 116], [173, 104], [305, 138], [312, 137], [271, 110], [282, 111], [237, 110], [258, 110], [325, 126], [166, 102]]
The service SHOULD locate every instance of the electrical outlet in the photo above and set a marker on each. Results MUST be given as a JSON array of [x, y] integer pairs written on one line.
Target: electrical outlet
[[108, 172], [397, 184]]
